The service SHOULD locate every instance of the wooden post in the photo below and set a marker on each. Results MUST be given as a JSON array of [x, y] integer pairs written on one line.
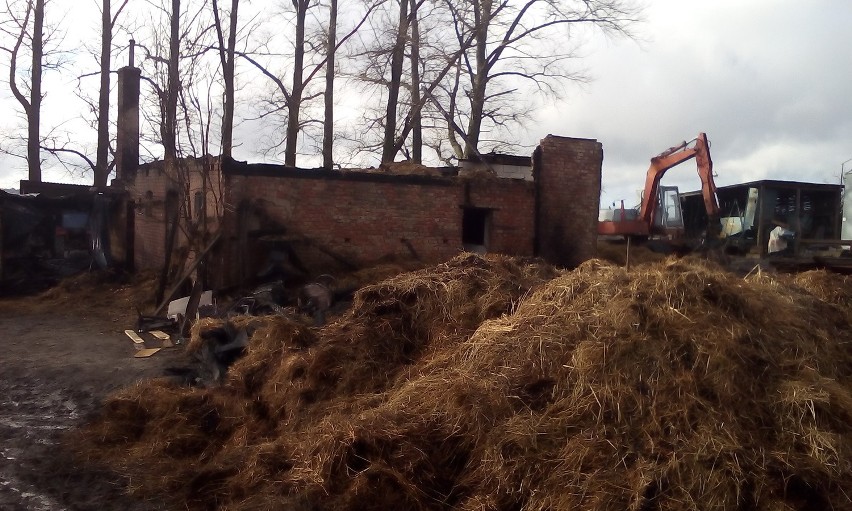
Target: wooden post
[[171, 228], [761, 230], [838, 216], [798, 226], [130, 236], [186, 275]]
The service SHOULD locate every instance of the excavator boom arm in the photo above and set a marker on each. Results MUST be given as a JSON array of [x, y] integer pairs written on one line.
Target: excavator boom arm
[[671, 158]]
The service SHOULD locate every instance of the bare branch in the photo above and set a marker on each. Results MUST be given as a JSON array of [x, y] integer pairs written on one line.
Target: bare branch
[[277, 81], [52, 149], [13, 62]]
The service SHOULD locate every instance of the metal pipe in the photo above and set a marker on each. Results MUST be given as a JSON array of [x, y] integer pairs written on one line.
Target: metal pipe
[[843, 197], [842, 165]]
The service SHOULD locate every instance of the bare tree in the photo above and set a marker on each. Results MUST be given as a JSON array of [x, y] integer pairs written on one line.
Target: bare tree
[[395, 82], [108, 21], [446, 63], [297, 89], [295, 97], [30, 34], [516, 42], [405, 89], [226, 55], [381, 67], [34, 111], [175, 46], [416, 117], [328, 117], [181, 52], [168, 128]]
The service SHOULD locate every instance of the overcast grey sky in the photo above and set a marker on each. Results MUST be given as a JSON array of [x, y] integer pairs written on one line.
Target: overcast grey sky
[[769, 81]]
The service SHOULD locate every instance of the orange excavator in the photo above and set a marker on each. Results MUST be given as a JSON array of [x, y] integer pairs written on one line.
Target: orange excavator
[[660, 212]]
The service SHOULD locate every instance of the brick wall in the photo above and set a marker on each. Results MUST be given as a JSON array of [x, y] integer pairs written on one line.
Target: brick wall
[[148, 190], [365, 217], [512, 229], [154, 190], [568, 178], [359, 218], [362, 217]]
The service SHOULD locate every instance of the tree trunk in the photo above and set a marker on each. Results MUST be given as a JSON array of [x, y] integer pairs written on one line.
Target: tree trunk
[[226, 54], [477, 106], [328, 122], [169, 127], [295, 103], [452, 136], [417, 118], [34, 111], [101, 161], [228, 115], [479, 81], [397, 58]]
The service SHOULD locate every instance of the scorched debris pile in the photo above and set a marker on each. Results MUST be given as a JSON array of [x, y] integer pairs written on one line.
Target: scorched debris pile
[[495, 383]]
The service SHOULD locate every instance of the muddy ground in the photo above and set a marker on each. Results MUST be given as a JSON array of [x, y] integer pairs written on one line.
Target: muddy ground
[[60, 355]]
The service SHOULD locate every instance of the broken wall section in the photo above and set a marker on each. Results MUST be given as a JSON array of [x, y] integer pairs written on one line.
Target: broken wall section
[[190, 195], [567, 172], [359, 218]]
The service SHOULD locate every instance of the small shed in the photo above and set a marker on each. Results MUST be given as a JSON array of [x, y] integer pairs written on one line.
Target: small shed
[[751, 210]]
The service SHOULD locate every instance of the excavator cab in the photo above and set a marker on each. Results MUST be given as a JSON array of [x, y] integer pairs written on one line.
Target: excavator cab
[[668, 216]]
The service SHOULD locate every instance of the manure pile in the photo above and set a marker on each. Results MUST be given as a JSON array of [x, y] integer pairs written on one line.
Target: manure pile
[[501, 384]]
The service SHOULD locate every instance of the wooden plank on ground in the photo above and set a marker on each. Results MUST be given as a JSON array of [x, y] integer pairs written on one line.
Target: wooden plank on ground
[[147, 352], [134, 337], [166, 338]]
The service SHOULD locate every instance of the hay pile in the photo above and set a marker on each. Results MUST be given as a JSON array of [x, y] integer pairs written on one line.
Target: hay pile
[[113, 294], [616, 253], [497, 384]]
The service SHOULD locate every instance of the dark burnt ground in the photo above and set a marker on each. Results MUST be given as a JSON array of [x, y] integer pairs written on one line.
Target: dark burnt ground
[[58, 359]]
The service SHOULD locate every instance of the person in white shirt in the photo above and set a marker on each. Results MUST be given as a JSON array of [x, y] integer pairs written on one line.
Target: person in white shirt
[[779, 240]]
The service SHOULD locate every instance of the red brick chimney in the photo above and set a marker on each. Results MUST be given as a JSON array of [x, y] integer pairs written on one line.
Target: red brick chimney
[[127, 138], [568, 187]]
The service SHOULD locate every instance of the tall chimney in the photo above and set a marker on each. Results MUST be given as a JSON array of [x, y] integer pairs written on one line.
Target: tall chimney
[[127, 137]]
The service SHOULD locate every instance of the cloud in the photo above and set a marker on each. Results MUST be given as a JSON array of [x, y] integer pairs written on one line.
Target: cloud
[[768, 81]]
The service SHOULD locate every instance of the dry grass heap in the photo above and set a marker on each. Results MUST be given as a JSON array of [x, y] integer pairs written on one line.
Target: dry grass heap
[[496, 384], [112, 294], [616, 253]]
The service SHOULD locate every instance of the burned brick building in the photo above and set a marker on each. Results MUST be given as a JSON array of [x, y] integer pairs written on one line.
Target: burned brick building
[[239, 218], [320, 219]]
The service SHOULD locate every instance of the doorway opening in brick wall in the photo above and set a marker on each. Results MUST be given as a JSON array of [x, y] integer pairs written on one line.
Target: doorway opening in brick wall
[[476, 224]]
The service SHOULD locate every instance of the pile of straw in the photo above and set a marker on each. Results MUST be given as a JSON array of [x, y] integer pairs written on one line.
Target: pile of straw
[[616, 251], [117, 295], [497, 384]]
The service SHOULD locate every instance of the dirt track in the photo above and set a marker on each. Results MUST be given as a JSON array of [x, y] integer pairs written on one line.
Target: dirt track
[[57, 361]]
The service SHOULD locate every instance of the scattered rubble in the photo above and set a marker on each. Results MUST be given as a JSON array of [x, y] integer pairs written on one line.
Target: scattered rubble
[[316, 298]]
